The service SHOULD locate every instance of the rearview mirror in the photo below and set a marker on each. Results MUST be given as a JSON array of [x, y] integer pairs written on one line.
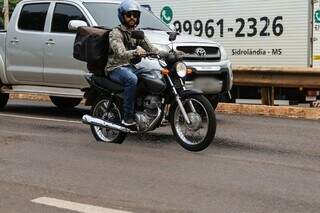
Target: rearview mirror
[[74, 24], [172, 36], [137, 34]]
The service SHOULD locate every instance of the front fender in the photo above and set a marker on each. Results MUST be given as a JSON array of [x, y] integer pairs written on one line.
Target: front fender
[[183, 94], [186, 93]]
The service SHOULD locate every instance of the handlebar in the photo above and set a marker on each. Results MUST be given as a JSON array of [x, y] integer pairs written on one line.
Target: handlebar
[[152, 55], [163, 55]]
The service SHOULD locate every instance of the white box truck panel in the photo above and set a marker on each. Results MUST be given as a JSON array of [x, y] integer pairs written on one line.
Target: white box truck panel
[[254, 32], [316, 34]]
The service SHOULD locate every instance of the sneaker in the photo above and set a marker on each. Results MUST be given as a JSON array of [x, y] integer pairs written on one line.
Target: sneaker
[[128, 122]]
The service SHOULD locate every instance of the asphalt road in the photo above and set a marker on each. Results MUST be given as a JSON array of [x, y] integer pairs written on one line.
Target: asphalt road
[[256, 164]]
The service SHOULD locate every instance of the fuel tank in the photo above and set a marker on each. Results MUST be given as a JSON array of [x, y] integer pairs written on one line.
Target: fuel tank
[[152, 81]]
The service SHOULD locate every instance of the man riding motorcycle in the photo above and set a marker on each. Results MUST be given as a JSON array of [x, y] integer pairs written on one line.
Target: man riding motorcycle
[[127, 51], [191, 115]]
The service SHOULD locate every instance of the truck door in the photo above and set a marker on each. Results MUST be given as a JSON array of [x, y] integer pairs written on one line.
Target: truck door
[[60, 68], [25, 44]]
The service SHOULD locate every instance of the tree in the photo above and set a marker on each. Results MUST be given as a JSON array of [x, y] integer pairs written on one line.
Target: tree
[[12, 5]]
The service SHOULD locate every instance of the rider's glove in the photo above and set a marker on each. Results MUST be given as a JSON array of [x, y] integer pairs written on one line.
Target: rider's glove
[[140, 51]]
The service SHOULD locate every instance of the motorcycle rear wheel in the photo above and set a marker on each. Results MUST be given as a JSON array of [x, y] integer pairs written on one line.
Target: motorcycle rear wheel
[[113, 115], [198, 135]]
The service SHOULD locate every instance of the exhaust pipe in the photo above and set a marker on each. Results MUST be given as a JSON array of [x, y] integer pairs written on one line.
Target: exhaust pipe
[[87, 119]]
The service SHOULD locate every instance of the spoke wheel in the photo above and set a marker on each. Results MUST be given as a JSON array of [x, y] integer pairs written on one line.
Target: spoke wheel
[[113, 115], [197, 135]]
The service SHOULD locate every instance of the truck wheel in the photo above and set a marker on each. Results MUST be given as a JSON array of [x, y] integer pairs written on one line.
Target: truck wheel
[[65, 103], [214, 100], [4, 97]]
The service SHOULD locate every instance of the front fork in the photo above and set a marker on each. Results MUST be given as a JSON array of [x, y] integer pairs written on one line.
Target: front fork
[[189, 102], [178, 99]]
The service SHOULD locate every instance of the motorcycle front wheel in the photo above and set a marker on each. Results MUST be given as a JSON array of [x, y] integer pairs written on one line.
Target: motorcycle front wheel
[[106, 135], [199, 134]]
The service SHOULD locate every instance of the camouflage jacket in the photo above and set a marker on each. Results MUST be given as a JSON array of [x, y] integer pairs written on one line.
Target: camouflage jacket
[[120, 54]]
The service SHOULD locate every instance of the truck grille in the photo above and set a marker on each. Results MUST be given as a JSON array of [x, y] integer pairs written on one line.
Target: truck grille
[[200, 53]]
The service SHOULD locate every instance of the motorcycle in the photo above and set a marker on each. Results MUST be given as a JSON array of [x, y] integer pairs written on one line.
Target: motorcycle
[[191, 115]]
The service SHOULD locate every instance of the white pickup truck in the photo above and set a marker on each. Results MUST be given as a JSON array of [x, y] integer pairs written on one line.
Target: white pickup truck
[[36, 51]]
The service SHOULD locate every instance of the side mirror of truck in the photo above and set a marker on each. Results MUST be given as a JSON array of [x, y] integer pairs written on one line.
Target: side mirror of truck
[[137, 34], [172, 36], [74, 24], [147, 6]]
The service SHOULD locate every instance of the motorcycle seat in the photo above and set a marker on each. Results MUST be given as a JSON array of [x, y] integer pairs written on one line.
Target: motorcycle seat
[[107, 83]]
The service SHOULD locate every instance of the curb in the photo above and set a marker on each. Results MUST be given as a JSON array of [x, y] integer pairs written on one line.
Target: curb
[[29, 96], [242, 109], [271, 111]]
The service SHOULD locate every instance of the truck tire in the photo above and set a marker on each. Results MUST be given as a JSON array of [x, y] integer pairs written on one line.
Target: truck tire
[[4, 97], [65, 103], [214, 100]]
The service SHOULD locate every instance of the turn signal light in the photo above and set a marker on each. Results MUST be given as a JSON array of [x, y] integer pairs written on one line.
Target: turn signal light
[[189, 71], [165, 72]]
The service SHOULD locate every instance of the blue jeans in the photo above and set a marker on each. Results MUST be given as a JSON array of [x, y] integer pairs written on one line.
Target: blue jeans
[[128, 79]]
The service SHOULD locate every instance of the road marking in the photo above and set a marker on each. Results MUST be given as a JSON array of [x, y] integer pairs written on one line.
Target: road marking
[[79, 207], [39, 118]]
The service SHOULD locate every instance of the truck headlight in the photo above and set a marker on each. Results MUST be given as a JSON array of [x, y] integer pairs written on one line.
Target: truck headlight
[[224, 54], [181, 69], [162, 47]]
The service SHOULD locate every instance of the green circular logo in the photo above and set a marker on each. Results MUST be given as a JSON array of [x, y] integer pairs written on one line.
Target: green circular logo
[[166, 14], [317, 16]]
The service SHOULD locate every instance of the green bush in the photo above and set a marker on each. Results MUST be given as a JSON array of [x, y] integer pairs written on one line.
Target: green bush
[[12, 5]]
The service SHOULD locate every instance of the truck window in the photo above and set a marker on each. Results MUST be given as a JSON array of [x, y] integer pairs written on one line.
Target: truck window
[[63, 14], [106, 14], [33, 16]]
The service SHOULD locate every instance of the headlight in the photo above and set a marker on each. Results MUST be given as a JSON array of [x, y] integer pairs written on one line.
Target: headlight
[[181, 69], [224, 54], [162, 47]]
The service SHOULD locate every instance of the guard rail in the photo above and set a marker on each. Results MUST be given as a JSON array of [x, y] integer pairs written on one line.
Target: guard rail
[[269, 77]]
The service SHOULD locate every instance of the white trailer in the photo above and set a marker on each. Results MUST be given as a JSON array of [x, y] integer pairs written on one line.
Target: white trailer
[[272, 33], [254, 32]]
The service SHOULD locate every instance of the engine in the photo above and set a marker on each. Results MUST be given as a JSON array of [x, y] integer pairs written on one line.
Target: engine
[[149, 106]]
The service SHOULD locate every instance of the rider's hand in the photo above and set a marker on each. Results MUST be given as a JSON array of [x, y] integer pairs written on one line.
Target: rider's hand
[[163, 54], [140, 51], [179, 54]]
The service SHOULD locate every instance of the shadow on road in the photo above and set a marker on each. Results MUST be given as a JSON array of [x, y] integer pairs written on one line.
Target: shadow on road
[[160, 137], [43, 109], [222, 143]]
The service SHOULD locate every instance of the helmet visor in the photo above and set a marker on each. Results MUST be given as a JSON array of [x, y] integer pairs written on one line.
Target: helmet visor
[[135, 14]]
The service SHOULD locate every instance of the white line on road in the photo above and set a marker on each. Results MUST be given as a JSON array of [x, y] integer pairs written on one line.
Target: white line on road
[[79, 207], [39, 118]]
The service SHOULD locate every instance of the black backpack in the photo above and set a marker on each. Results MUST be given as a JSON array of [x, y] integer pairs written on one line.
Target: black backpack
[[91, 45]]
